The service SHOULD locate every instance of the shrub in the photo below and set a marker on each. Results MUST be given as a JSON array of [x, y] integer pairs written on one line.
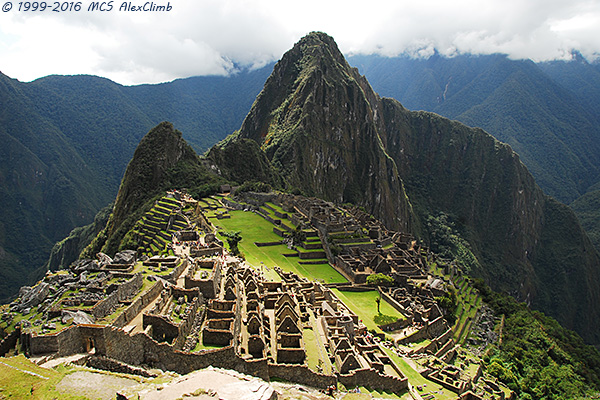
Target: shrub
[[380, 280]]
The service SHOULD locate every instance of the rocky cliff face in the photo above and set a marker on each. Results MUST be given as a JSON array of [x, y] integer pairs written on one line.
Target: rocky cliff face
[[327, 133], [527, 243], [317, 121]]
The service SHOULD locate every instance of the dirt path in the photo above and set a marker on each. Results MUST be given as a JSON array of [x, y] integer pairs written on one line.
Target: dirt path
[[136, 325], [209, 383], [93, 385]]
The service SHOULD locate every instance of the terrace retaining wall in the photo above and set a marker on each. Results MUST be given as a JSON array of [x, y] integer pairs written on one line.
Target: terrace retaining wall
[[374, 380], [301, 374]]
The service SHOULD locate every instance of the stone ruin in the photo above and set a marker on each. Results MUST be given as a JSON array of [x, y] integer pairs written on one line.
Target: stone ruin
[[208, 308]]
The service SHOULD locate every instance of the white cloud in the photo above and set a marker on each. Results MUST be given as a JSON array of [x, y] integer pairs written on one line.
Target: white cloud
[[200, 37]]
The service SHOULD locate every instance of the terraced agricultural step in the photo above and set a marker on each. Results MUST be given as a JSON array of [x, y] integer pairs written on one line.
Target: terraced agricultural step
[[314, 262], [312, 245], [165, 236], [155, 225], [309, 255]]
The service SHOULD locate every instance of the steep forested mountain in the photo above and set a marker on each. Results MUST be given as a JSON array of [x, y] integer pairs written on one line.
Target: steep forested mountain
[[548, 112], [66, 143], [328, 134]]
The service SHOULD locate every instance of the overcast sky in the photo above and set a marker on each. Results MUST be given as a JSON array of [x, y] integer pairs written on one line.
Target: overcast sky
[[202, 37]]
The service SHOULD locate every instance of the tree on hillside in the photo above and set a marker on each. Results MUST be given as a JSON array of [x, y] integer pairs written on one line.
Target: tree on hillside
[[233, 238]]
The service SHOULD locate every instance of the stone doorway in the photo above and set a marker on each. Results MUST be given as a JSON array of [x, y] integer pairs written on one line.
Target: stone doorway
[[90, 345]]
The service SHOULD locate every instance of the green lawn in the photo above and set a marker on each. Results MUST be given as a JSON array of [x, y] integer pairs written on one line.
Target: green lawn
[[254, 228], [364, 305]]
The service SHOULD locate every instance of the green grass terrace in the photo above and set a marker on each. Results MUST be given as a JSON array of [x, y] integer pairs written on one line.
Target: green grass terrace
[[365, 306], [253, 229]]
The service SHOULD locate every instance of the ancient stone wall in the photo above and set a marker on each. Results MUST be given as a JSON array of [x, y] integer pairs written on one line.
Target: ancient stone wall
[[108, 364], [72, 340], [219, 337], [138, 305], [434, 328], [187, 323], [264, 244], [311, 255], [257, 199], [280, 214], [9, 342], [232, 204], [140, 349], [123, 291], [272, 220], [456, 388], [177, 271], [374, 380], [279, 232], [163, 329], [210, 286], [437, 327], [397, 306], [206, 252], [41, 344], [301, 374]]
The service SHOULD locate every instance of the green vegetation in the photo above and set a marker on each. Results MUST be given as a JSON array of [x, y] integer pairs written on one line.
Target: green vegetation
[[382, 319], [243, 161], [233, 239], [417, 379], [21, 378], [365, 306], [163, 160], [587, 208], [379, 280], [538, 358], [67, 141], [448, 303], [447, 243], [254, 186], [518, 102]]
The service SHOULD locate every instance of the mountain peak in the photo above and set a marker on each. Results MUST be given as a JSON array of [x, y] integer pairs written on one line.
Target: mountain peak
[[317, 44], [317, 121], [163, 160], [315, 58]]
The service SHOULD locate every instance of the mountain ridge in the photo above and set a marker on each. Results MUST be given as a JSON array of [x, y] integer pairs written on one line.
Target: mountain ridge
[[540, 109], [298, 104]]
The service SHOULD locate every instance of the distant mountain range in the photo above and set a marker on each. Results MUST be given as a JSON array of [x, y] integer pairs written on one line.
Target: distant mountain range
[[549, 113], [66, 143]]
